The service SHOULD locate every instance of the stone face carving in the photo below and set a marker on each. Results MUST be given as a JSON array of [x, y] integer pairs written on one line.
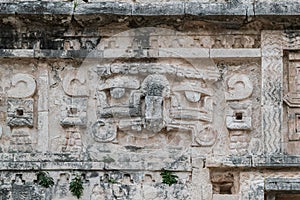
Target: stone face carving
[[152, 108], [20, 112], [141, 102]]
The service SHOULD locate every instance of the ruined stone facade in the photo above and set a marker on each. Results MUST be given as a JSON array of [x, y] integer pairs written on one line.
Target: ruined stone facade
[[116, 93]]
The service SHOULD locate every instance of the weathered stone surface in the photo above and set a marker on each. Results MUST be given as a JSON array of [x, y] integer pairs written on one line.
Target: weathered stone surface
[[119, 92]]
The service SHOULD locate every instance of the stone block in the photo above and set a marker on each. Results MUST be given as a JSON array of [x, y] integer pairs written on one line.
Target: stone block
[[225, 197], [73, 112], [20, 112]]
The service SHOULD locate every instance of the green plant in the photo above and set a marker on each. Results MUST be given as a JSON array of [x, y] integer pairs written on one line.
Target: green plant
[[76, 186], [44, 179], [112, 181], [168, 177], [75, 4]]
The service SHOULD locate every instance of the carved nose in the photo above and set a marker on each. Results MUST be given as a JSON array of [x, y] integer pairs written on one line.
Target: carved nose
[[155, 89], [153, 107], [154, 113]]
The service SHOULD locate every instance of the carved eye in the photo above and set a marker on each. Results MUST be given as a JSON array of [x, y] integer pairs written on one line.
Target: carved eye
[[192, 96], [117, 92]]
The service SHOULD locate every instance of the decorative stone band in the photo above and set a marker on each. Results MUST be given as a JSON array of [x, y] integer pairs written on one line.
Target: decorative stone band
[[173, 70], [259, 161], [282, 184], [123, 53], [109, 161], [197, 8]]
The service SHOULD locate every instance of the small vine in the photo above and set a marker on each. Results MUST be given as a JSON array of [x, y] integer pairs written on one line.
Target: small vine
[[76, 186], [168, 177], [44, 179]]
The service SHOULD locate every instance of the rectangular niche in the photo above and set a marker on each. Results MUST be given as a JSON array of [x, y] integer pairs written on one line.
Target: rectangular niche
[[224, 183]]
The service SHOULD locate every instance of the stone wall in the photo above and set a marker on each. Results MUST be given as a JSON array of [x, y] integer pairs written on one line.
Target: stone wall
[[124, 95]]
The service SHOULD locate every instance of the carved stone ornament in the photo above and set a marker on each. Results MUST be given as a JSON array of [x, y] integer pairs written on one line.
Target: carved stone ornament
[[73, 111], [74, 83], [20, 112], [142, 103], [23, 86], [239, 87], [238, 116], [104, 131]]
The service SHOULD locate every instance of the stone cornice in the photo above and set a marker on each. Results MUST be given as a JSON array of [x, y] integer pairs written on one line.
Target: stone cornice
[[194, 8]]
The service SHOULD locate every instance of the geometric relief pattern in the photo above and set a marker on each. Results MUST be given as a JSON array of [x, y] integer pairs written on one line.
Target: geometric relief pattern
[[272, 73]]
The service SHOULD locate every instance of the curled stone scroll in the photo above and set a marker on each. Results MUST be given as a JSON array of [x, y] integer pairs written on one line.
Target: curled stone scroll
[[24, 86], [240, 87], [104, 131], [206, 136], [74, 84]]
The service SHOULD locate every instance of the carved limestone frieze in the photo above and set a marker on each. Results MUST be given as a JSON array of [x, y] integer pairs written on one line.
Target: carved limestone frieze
[[144, 99]]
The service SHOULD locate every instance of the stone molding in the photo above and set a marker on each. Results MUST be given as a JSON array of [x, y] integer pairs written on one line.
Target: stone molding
[[196, 8]]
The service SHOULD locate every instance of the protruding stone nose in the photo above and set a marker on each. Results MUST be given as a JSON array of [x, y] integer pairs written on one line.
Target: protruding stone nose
[[154, 113], [155, 89]]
